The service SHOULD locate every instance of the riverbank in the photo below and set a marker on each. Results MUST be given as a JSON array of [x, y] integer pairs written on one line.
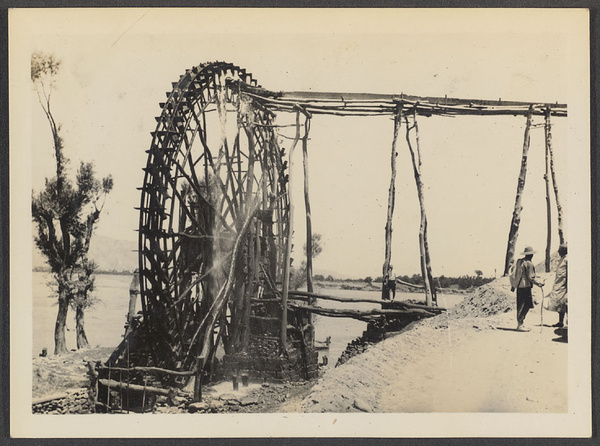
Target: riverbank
[[468, 359]]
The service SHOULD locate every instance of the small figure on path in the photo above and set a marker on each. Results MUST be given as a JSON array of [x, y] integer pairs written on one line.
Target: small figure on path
[[524, 280], [390, 279], [557, 300], [134, 291]]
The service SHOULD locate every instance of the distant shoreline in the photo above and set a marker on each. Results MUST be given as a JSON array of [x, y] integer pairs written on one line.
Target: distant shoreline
[[340, 284], [114, 273]]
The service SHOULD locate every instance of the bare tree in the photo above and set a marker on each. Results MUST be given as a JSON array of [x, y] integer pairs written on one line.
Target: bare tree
[[65, 214]]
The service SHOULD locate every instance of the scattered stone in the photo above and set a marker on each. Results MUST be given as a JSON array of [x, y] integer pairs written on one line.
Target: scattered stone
[[177, 401], [228, 397], [217, 404], [248, 401], [362, 405], [198, 407]]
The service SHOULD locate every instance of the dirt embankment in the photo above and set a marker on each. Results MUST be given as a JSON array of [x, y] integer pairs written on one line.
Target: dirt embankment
[[469, 359], [56, 374], [59, 382]]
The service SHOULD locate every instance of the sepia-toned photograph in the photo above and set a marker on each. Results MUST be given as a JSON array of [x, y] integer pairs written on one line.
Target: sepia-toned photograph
[[300, 222]]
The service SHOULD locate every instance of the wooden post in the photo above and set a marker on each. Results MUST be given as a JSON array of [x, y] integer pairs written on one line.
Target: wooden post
[[309, 267], [430, 296], [288, 241], [548, 128], [251, 265], [548, 211], [516, 218], [307, 318], [391, 202], [198, 379]]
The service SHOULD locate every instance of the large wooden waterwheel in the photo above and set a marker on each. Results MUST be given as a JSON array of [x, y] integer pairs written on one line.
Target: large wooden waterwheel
[[212, 229]]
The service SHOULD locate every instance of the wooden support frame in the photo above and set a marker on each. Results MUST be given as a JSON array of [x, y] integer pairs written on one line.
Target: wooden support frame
[[201, 241], [559, 209], [548, 204], [516, 218], [309, 249], [391, 204], [374, 104], [288, 240], [425, 260]]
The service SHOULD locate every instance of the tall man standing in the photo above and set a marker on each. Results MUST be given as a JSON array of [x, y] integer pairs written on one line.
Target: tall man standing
[[525, 280], [557, 301]]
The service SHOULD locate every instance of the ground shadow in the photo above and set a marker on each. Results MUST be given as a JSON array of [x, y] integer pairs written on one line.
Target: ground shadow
[[563, 335], [563, 339], [510, 329], [538, 325]]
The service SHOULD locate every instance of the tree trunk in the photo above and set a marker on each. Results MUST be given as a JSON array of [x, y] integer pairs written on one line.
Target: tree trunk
[[430, 295], [516, 218], [309, 251], [548, 128], [390, 208], [548, 210], [288, 241], [60, 343], [82, 341]]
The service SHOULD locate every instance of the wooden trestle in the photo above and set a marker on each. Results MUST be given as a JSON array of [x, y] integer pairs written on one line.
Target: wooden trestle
[[215, 228]]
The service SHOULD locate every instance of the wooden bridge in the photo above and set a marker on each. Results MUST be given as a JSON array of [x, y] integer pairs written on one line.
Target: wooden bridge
[[215, 225]]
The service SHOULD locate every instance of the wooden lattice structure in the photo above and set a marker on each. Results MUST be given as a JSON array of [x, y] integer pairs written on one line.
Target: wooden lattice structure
[[215, 225]]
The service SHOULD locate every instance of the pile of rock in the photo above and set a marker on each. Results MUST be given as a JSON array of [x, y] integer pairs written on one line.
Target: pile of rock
[[376, 331], [484, 302], [73, 402], [225, 403], [356, 347]]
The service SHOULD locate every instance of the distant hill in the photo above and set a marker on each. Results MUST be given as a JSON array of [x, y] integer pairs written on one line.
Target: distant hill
[[108, 253], [120, 255]]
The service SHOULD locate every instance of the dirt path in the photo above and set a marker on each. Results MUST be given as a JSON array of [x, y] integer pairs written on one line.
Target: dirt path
[[454, 364], [490, 370]]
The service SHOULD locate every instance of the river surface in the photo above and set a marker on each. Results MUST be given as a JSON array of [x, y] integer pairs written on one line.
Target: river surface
[[104, 321]]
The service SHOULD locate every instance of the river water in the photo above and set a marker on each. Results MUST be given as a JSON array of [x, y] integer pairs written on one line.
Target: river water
[[105, 320]]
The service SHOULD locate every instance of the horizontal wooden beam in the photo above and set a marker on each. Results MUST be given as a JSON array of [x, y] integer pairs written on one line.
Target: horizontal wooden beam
[[365, 300], [147, 369], [133, 387], [362, 315], [371, 104]]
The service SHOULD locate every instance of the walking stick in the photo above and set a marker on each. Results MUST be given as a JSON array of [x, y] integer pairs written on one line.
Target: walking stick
[[542, 310]]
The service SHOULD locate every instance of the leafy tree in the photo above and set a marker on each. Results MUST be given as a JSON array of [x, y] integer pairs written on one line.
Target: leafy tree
[[65, 214], [316, 246], [416, 279], [368, 279], [298, 277]]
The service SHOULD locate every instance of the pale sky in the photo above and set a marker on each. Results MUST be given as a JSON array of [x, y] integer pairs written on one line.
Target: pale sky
[[118, 64]]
